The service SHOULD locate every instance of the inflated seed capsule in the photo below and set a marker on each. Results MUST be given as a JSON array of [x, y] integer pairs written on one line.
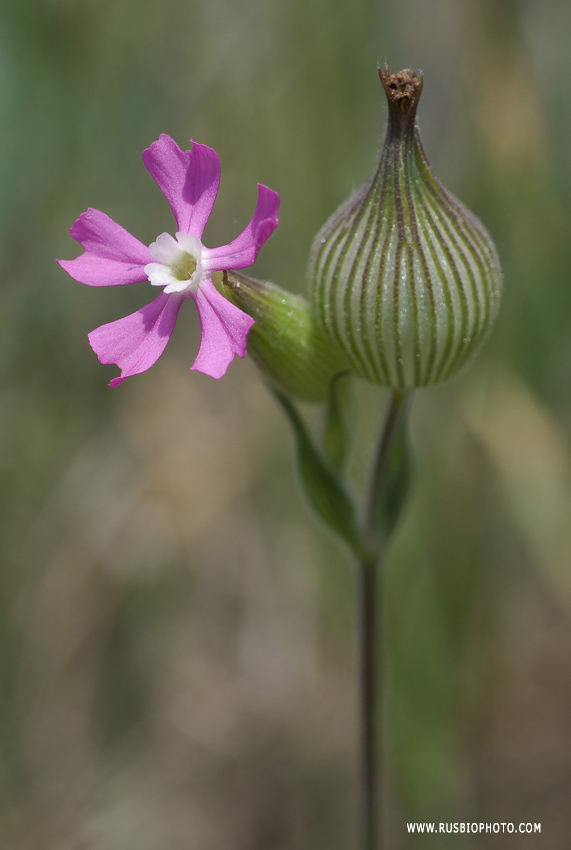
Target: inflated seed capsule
[[405, 279]]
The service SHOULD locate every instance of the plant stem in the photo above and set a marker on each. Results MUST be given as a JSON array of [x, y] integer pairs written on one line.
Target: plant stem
[[369, 698], [370, 635]]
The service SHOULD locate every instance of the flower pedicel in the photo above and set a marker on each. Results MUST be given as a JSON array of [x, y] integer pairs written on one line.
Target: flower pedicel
[[183, 266]]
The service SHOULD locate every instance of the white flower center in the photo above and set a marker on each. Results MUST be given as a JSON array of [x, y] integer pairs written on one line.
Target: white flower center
[[179, 262]]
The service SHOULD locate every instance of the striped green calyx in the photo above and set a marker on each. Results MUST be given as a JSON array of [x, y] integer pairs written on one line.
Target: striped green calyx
[[287, 342], [404, 278]]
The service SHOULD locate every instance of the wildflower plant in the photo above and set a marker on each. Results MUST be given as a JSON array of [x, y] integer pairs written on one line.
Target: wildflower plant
[[405, 284]]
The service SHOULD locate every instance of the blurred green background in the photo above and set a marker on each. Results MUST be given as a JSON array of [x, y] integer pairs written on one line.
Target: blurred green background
[[177, 634]]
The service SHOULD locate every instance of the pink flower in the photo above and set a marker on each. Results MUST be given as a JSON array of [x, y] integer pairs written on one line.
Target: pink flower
[[182, 265]]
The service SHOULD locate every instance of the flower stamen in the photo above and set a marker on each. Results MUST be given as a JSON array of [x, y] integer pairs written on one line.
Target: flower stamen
[[185, 268]]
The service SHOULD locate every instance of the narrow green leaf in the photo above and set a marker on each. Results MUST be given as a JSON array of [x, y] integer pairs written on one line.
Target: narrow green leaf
[[395, 480], [322, 486], [336, 430]]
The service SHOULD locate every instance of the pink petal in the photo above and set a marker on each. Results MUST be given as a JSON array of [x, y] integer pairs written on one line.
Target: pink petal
[[224, 331], [243, 250], [136, 342], [188, 179], [111, 255]]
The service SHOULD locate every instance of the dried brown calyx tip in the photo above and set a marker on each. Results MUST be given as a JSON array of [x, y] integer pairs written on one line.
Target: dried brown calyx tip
[[402, 89]]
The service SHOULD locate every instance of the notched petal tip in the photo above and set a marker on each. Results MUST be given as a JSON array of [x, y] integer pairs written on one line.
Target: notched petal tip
[[76, 231], [242, 251], [268, 206], [136, 342], [189, 180], [111, 255]]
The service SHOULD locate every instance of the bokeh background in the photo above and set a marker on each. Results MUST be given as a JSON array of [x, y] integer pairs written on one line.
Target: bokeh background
[[177, 633]]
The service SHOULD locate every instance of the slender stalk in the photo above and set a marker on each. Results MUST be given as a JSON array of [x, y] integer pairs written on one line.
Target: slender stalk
[[370, 635], [369, 698]]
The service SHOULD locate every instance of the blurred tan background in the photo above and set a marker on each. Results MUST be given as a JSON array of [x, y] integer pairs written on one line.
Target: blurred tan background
[[177, 656]]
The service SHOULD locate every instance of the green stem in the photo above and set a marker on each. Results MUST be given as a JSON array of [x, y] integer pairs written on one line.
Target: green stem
[[370, 693], [370, 635]]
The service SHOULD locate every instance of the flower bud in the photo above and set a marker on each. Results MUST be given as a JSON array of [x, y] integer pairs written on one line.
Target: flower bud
[[286, 342], [404, 278]]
